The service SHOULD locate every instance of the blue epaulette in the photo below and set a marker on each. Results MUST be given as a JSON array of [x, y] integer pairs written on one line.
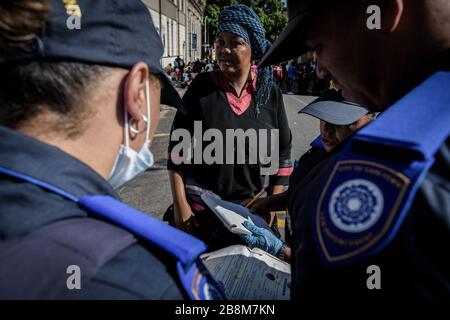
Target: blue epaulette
[[317, 143], [370, 190], [185, 249]]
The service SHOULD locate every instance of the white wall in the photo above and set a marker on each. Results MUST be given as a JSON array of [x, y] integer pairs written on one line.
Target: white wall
[[175, 40], [164, 33], [177, 37], [183, 42], [155, 18]]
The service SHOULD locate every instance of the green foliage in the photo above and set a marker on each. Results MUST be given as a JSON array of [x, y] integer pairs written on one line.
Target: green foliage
[[269, 11]]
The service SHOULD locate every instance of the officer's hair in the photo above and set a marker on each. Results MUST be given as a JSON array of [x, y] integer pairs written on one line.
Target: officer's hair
[[21, 21], [28, 89]]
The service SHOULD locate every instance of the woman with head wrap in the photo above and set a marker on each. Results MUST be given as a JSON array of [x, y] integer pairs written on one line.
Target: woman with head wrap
[[229, 98]]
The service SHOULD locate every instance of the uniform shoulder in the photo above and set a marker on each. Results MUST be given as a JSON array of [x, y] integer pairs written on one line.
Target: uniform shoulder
[[202, 86], [135, 273], [436, 186], [202, 79], [276, 88], [276, 93]]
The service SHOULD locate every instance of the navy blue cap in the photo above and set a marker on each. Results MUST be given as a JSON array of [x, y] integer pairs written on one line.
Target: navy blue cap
[[332, 108], [116, 33]]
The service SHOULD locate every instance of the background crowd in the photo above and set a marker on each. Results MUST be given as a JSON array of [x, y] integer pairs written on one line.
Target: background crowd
[[292, 77]]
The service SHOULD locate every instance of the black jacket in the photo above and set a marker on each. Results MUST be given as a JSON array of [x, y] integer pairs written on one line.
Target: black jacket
[[415, 264], [137, 272], [205, 101]]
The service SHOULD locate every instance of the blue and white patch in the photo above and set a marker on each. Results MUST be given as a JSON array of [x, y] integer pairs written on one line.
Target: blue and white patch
[[356, 205], [198, 282], [358, 210], [369, 192]]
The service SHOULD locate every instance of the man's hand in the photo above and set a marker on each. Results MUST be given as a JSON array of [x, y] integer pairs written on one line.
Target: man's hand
[[275, 202], [262, 238], [184, 219], [262, 208]]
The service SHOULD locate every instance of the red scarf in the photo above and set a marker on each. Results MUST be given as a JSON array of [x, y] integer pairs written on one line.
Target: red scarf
[[238, 104]]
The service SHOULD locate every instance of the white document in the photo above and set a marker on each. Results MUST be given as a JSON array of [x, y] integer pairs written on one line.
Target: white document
[[233, 215], [249, 274]]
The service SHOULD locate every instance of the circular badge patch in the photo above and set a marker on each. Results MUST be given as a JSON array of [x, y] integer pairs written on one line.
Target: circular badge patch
[[356, 205]]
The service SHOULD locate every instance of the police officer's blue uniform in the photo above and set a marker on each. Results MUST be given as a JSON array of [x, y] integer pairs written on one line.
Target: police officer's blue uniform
[[138, 268], [56, 213], [382, 199]]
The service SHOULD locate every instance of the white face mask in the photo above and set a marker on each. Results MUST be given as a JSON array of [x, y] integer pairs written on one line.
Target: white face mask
[[130, 163]]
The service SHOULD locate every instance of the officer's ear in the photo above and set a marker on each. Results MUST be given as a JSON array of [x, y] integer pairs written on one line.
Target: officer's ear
[[391, 14], [134, 94]]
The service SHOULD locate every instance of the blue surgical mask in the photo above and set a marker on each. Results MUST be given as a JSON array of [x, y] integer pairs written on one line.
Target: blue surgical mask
[[129, 163]]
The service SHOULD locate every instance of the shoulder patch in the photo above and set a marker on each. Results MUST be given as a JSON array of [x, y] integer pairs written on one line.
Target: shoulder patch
[[368, 195], [198, 283], [358, 210]]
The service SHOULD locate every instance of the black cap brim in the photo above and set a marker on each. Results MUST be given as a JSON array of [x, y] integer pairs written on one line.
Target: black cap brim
[[289, 43], [169, 95]]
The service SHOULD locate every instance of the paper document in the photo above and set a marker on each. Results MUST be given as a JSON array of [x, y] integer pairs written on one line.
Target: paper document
[[249, 274], [233, 215]]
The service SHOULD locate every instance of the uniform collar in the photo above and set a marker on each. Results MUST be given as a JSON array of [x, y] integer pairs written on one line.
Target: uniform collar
[[440, 62], [41, 161]]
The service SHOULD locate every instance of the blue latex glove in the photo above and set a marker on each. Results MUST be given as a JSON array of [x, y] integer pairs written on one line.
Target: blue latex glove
[[262, 238]]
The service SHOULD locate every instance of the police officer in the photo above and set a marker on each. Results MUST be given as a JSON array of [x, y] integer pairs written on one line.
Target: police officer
[[79, 96], [373, 220], [339, 120]]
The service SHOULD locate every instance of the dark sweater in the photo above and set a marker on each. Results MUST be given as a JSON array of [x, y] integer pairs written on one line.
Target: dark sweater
[[138, 272], [206, 102]]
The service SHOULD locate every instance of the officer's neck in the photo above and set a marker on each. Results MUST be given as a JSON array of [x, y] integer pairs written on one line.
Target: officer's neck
[[97, 146]]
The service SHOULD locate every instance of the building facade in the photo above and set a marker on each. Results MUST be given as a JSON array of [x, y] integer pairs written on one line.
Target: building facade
[[179, 23]]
